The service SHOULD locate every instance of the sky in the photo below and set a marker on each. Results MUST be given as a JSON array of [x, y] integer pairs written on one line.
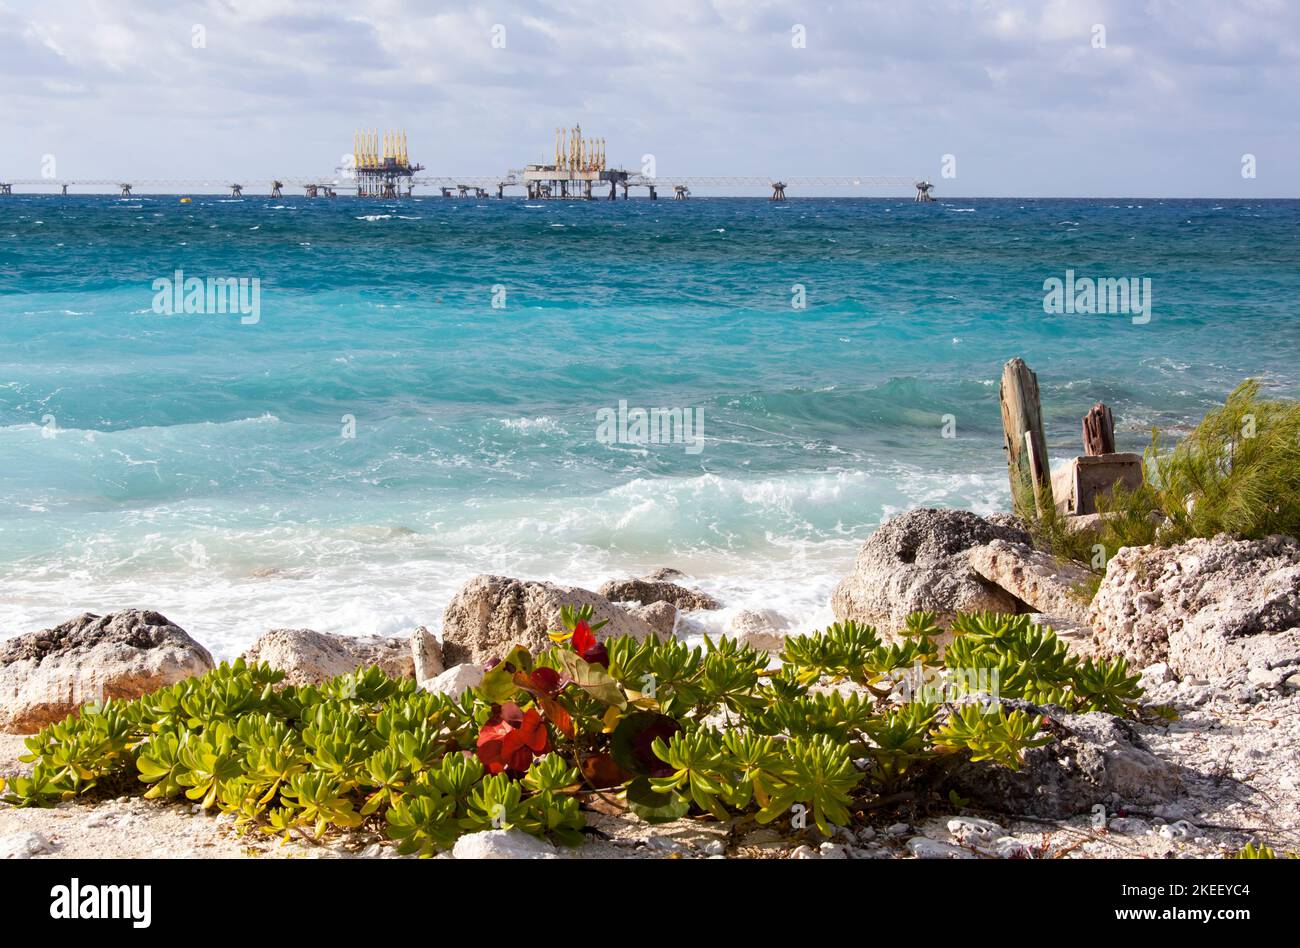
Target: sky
[[1100, 98]]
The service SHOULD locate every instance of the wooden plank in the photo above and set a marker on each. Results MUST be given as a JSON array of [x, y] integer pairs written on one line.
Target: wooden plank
[[1024, 440], [1043, 496]]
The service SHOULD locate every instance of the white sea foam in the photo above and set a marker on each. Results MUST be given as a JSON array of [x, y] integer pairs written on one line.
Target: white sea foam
[[265, 418], [780, 542], [228, 611], [543, 423]]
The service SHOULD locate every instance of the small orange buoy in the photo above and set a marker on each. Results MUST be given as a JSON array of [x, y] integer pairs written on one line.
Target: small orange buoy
[[185, 200]]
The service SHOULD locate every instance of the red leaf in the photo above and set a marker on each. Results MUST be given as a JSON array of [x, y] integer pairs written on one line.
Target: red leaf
[[557, 715], [533, 732], [583, 639], [585, 644], [489, 752], [510, 739], [601, 770], [545, 680]]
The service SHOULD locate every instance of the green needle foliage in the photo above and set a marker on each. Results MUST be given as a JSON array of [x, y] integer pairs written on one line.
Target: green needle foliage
[[663, 728], [1237, 472]]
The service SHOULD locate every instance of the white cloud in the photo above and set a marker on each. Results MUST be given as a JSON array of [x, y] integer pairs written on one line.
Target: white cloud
[[712, 87]]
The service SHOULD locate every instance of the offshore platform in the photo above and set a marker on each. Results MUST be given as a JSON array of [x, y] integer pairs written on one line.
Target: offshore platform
[[579, 165], [381, 168]]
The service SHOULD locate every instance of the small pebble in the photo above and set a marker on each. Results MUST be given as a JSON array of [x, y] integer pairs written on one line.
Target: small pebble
[[1129, 826], [1008, 847], [1180, 830], [975, 830], [923, 848], [24, 845], [663, 844]]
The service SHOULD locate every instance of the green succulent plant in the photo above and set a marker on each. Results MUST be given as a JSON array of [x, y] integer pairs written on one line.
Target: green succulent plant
[[1253, 851], [670, 729], [1002, 736], [423, 821]]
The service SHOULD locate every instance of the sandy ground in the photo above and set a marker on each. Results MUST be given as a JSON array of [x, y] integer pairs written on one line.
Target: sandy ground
[[1239, 763]]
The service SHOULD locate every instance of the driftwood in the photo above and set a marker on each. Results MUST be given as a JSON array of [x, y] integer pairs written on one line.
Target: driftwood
[[1024, 440], [1098, 431]]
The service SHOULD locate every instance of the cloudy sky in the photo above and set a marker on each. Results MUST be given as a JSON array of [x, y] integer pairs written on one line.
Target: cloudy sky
[[1029, 97]]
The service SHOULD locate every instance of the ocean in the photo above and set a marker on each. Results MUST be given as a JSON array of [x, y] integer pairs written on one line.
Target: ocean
[[417, 397]]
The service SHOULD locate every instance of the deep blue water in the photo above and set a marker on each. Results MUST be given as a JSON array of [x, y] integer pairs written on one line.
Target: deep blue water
[[196, 465]]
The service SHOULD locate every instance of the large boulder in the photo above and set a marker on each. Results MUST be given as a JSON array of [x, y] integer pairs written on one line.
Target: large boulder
[[47, 675], [1217, 609], [455, 681], [489, 615], [918, 561], [1090, 757], [1076, 635], [660, 616], [648, 591], [762, 629], [426, 655], [309, 658], [1043, 582]]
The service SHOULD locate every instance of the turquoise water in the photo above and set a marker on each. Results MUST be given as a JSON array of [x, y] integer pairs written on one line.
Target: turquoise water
[[196, 465]]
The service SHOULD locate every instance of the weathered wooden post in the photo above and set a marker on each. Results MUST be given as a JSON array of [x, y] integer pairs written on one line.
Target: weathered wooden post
[[1080, 482], [1025, 442], [1098, 431]]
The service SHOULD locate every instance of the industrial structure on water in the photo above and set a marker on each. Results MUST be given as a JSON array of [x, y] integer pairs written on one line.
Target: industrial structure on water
[[381, 167], [381, 174], [579, 165]]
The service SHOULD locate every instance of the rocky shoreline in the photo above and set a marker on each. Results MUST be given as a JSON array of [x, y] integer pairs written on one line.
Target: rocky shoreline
[[1210, 764]]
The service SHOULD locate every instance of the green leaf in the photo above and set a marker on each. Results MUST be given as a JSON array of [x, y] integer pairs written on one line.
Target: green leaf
[[653, 806], [620, 742], [498, 685], [592, 679]]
